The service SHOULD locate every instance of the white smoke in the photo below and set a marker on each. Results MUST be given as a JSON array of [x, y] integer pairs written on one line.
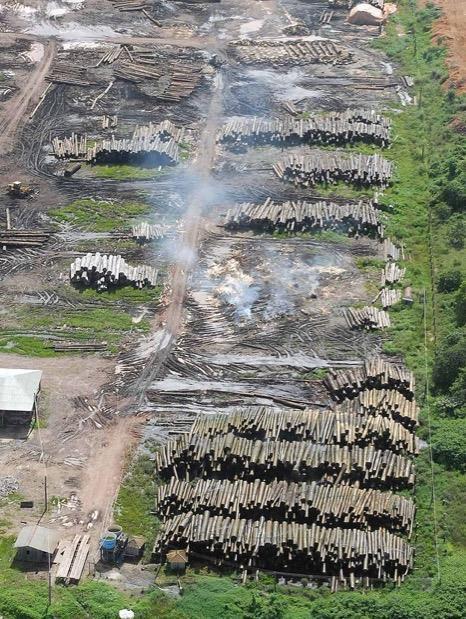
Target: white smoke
[[235, 288]]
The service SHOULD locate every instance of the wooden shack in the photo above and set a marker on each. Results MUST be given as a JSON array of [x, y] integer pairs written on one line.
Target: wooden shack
[[36, 544], [19, 390], [177, 560]]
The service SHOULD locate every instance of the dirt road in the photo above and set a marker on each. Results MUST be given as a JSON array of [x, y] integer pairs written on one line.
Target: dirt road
[[452, 26], [15, 109]]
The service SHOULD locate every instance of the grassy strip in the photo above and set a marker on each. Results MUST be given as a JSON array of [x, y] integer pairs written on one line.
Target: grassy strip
[[100, 215], [125, 172]]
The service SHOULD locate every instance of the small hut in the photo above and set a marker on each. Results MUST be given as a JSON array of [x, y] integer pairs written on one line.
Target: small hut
[[177, 560], [18, 396], [36, 544]]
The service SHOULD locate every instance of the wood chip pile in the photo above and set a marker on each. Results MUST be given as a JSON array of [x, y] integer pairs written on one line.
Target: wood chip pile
[[367, 317], [330, 167], [329, 129], [290, 52], [328, 505], [109, 271], [300, 216]]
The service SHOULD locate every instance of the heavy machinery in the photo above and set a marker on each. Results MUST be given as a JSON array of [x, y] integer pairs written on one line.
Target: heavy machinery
[[18, 190]]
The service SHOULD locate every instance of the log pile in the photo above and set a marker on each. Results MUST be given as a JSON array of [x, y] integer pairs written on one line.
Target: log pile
[[329, 129], [79, 346], [375, 374], [331, 167], [392, 251], [386, 402], [300, 216], [392, 273], [305, 503], [70, 74], [291, 546], [174, 81], [103, 272], [23, 238], [111, 56], [231, 457], [328, 427], [389, 297], [367, 317], [145, 232], [153, 144], [109, 122], [294, 52]]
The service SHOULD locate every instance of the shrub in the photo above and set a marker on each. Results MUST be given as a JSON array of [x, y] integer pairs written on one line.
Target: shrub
[[449, 444], [449, 281], [460, 305], [450, 358]]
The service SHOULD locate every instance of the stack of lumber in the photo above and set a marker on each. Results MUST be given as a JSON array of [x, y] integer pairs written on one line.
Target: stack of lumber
[[71, 558], [232, 457], [291, 546], [298, 216], [145, 232], [330, 167], [323, 129], [130, 5], [111, 56], [305, 503], [375, 374], [386, 402], [293, 51], [325, 427], [392, 273], [174, 80], [367, 317], [103, 272], [23, 238], [69, 74]]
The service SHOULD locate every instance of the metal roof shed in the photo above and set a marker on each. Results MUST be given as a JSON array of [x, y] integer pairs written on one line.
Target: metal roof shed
[[18, 389], [36, 543]]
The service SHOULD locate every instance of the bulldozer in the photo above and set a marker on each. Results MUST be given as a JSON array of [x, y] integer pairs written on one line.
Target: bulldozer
[[18, 190]]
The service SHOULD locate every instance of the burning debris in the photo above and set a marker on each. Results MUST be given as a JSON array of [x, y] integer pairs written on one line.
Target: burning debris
[[236, 288]]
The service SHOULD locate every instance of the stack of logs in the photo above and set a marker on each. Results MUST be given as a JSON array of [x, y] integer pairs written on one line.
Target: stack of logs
[[145, 232], [392, 273], [299, 216], [375, 374], [103, 272], [307, 492], [367, 317], [23, 238], [324, 504], [174, 80], [70, 74], [296, 51], [329, 129], [149, 145], [331, 167]]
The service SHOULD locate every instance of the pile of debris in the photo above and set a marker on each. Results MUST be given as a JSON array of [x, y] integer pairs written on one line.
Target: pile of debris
[[293, 51], [8, 485], [367, 317], [299, 216], [328, 129], [103, 272], [331, 167]]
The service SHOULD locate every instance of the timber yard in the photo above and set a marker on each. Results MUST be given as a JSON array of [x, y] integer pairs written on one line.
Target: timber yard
[[200, 273]]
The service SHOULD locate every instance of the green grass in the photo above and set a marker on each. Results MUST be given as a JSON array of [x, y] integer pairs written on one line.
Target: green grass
[[126, 294], [135, 501], [125, 172], [100, 215]]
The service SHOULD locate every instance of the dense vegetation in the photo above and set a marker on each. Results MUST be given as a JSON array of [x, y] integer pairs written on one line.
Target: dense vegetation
[[428, 198]]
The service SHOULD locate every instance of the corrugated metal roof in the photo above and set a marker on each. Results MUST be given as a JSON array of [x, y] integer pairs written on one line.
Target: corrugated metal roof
[[37, 537], [18, 389]]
